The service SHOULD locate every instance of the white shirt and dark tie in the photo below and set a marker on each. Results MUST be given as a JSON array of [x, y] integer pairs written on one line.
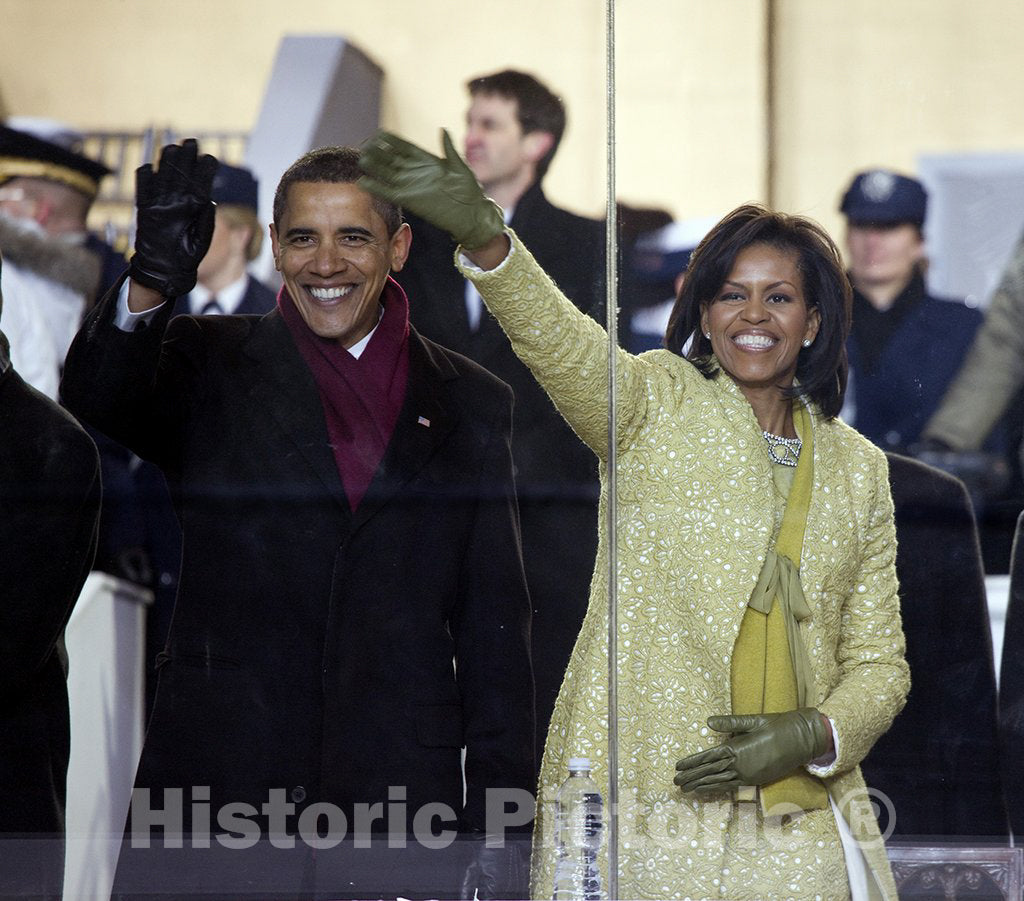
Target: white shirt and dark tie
[[202, 302]]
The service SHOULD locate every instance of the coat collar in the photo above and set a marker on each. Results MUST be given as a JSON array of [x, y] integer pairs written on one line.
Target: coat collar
[[285, 388], [424, 423], [529, 208]]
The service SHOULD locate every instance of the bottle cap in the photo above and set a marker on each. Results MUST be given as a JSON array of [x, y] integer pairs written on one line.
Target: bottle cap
[[578, 764]]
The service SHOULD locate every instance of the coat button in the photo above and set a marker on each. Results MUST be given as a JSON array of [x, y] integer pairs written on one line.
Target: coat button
[[298, 794]]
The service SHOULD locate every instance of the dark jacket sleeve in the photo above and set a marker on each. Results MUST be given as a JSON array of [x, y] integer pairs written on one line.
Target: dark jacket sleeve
[[132, 386], [49, 508]]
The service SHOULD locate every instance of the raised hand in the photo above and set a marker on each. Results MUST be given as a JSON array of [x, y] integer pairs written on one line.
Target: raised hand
[[174, 219], [441, 190]]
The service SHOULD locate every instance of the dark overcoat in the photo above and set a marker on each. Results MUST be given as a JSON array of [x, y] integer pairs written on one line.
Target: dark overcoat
[[938, 765], [162, 535], [311, 649], [49, 509], [556, 476]]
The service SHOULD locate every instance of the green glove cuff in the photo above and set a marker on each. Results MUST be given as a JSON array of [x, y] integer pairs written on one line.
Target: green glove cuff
[[822, 734]]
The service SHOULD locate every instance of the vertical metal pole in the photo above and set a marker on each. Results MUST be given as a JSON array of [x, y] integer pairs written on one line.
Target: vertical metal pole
[[611, 316], [770, 97]]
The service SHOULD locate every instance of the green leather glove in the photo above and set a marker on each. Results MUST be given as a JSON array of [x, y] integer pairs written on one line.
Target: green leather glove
[[442, 191], [764, 747]]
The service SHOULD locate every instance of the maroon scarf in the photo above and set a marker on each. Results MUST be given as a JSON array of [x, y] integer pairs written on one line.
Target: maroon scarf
[[361, 397]]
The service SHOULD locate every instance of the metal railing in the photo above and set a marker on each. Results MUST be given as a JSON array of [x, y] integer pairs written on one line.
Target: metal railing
[[113, 212]]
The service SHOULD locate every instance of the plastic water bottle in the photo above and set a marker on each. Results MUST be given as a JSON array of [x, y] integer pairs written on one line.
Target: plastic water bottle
[[578, 826]]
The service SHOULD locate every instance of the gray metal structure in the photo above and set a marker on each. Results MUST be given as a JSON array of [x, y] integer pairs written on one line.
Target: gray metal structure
[[322, 90], [975, 216]]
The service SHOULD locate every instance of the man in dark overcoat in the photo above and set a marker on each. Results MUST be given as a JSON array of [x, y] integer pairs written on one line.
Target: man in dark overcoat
[[49, 512], [352, 614]]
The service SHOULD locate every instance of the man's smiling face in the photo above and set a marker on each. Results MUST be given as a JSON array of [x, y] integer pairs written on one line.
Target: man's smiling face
[[334, 255]]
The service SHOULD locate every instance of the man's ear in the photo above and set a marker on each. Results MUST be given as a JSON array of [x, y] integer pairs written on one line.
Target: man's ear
[[537, 145], [275, 247], [400, 243]]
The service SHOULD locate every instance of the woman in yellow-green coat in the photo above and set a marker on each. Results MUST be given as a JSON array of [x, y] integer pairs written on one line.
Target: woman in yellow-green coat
[[759, 652]]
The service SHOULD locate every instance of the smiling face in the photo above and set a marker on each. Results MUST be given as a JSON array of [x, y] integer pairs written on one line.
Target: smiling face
[[758, 321], [334, 255]]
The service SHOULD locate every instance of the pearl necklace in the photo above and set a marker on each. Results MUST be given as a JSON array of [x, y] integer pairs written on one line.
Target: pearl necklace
[[783, 450]]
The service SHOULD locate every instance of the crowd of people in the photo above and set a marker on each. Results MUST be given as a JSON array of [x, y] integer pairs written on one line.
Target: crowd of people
[[373, 510]]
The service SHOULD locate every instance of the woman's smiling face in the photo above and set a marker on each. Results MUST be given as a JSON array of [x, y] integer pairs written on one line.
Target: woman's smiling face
[[759, 320]]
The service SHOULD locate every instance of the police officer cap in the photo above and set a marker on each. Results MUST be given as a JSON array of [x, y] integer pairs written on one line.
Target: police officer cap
[[234, 186], [881, 196], [23, 155]]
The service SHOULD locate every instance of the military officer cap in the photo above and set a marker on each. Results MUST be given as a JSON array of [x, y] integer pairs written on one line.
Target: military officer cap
[[23, 155], [885, 198]]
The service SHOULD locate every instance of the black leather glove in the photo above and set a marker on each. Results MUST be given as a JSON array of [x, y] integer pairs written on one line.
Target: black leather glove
[[174, 219], [499, 872]]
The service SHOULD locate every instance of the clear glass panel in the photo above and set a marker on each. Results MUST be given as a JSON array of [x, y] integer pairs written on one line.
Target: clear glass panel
[[709, 106]]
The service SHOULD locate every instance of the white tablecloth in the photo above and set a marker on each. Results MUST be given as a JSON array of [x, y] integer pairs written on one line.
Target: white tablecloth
[[106, 650]]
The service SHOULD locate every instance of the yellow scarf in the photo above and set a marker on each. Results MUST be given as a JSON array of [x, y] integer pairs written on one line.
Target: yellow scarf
[[770, 669]]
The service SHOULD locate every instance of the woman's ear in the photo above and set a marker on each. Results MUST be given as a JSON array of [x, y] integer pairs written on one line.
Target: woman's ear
[[813, 324]]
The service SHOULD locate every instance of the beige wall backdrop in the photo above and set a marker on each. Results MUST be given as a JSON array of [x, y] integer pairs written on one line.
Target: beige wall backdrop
[[204, 64], [879, 82], [852, 84]]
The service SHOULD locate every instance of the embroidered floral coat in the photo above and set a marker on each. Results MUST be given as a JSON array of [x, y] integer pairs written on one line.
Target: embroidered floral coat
[[695, 520]]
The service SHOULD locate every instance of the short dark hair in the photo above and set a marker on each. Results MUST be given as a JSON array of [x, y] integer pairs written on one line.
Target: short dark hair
[[338, 165], [821, 368], [537, 108]]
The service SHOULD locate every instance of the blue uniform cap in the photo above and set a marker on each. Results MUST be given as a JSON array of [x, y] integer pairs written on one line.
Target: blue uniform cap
[[234, 186], [884, 197]]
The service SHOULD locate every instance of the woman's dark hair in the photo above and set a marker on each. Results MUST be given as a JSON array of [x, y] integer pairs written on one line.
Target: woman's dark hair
[[821, 369]]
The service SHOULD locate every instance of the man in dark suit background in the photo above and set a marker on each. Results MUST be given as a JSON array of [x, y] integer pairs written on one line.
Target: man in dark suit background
[[352, 610], [49, 510], [513, 128]]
